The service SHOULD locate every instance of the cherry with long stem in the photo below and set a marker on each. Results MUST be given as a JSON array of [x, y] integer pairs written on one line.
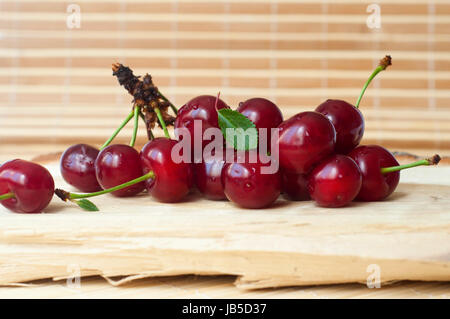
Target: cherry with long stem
[[434, 160], [384, 63]]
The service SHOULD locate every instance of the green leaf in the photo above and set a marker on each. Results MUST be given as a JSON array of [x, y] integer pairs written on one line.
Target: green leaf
[[238, 130], [87, 205]]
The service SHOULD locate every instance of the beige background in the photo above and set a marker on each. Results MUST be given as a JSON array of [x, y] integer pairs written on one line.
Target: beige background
[[57, 89]]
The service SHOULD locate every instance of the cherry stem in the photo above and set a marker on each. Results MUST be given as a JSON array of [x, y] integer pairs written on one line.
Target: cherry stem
[[7, 196], [384, 63], [136, 125], [429, 161], [149, 131], [161, 121], [125, 122], [173, 107], [70, 196]]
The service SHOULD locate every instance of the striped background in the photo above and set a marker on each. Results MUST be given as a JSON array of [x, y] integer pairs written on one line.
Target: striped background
[[56, 86]]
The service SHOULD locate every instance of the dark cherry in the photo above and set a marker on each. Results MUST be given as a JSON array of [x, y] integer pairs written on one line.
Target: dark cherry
[[117, 164], [294, 186], [335, 181], [172, 180], [263, 113], [245, 185], [202, 108], [348, 122], [375, 185], [77, 167], [207, 176], [305, 139], [31, 184]]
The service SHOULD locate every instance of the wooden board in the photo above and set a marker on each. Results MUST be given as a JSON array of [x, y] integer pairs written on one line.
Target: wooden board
[[407, 237]]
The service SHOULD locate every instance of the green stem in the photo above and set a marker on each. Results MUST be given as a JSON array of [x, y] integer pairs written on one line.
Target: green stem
[[161, 121], [173, 107], [429, 161], [136, 125], [129, 117], [384, 63], [112, 189], [7, 196]]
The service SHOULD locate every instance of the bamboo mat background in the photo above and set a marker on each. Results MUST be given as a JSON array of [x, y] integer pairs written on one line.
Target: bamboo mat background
[[56, 86]]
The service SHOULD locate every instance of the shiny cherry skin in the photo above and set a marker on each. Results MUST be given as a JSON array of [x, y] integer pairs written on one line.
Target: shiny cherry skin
[[335, 181], [348, 122], [245, 185], [77, 167], [202, 108], [371, 159], [117, 164], [294, 186], [207, 175], [172, 180], [263, 113], [31, 184], [304, 140]]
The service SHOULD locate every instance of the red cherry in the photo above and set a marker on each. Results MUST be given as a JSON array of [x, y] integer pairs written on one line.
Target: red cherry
[[305, 139], [248, 187], [294, 186], [335, 181], [207, 176], [202, 108], [77, 167], [375, 185], [263, 113], [117, 164], [31, 184], [172, 180], [348, 122]]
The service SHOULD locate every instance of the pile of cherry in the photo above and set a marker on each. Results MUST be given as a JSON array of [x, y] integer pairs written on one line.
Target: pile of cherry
[[319, 159]]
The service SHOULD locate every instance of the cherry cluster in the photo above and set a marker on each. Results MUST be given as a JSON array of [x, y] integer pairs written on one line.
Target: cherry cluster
[[318, 152]]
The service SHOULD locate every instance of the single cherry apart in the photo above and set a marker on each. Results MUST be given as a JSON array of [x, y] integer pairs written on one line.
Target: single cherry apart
[[78, 169], [118, 164], [335, 181], [171, 181], [294, 186], [246, 184], [25, 187], [305, 139]]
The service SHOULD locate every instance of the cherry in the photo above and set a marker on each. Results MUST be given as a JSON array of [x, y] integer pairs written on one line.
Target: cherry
[[25, 187], [117, 164], [202, 108], [207, 176], [335, 181], [375, 185], [346, 118], [246, 185], [348, 122], [77, 167], [304, 140], [294, 186], [263, 113], [171, 181]]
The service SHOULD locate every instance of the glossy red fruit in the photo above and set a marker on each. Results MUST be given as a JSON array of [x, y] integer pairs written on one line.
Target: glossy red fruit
[[78, 169], [348, 122], [294, 186], [202, 108], [118, 164], [31, 184], [335, 181], [305, 139], [207, 175], [172, 180], [247, 186], [370, 159], [263, 113]]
